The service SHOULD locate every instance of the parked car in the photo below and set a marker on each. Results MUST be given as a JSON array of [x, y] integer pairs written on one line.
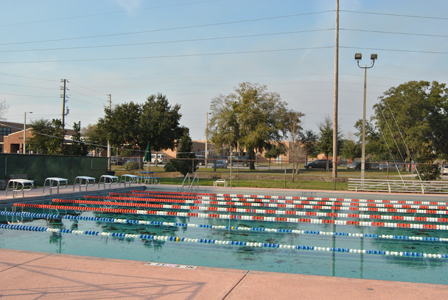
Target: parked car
[[319, 164], [444, 170], [220, 164], [114, 160], [133, 159], [383, 167], [395, 167], [374, 166], [356, 165], [414, 167], [160, 158], [244, 160], [200, 159]]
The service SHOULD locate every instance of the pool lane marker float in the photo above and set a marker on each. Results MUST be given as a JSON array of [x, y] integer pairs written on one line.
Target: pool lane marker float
[[233, 228], [256, 211], [302, 205], [236, 217], [322, 201], [264, 197], [220, 242]]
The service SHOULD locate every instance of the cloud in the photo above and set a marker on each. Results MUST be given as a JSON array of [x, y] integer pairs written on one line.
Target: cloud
[[129, 5]]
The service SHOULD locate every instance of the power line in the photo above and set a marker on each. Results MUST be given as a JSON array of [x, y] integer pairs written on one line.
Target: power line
[[106, 13], [393, 15], [215, 54], [166, 56], [34, 96], [88, 88], [398, 33], [27, 86], [75, 99], [167, 29], [43, 79], [396, 50], [225, 37], [200, 77], [87, 95], [168, 42]]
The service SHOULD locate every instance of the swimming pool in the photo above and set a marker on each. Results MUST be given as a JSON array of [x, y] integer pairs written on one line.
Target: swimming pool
[[403, 240]]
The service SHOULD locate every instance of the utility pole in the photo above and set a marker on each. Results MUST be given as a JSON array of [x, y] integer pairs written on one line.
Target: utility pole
[[64, 100], [108, 144], [64, 108], [358, 57], [336, 93], [24, 132], [206, 139]]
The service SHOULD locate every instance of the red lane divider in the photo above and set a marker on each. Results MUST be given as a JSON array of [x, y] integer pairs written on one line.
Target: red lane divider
[[293, 198], [218, 216], [248, 210], [339, 205]]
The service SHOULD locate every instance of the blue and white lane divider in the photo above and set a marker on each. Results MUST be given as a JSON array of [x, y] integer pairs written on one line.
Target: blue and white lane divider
[[220, 242], [257, 229]]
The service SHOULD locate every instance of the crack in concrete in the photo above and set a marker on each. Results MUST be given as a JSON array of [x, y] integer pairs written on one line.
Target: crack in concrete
[[236, 284], [26, 262]]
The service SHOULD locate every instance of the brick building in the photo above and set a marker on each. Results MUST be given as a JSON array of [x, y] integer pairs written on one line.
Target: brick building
[[8, 128], [11, 136]]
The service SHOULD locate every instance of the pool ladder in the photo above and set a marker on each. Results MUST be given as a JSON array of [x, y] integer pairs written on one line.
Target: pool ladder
[[196, 177]]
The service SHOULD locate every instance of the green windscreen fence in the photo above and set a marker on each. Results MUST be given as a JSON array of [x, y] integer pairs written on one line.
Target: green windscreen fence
[[39, 167]]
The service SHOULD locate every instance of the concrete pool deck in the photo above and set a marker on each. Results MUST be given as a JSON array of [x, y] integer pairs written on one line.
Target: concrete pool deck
[[35, 275]]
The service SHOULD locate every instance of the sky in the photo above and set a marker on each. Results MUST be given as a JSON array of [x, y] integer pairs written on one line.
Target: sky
[[193, 50]]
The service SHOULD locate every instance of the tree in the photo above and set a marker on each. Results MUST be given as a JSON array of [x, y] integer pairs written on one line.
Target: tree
[[134, 125], [325, 140], [294, 130], [274, 151], [248, 119], [3, 109], [121, 125], [309, 141], [78, 146], [438, 118], [412, 114], [48, 137], [184, 162], [159, 123], [374, 141], [427, 169], [350, 149], [94, 138]]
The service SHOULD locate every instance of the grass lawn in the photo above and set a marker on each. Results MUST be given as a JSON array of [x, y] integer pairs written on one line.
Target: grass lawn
[[267, 183], [265, 178]]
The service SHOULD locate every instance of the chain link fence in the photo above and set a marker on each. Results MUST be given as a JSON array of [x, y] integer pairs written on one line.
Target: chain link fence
[[39, 167]]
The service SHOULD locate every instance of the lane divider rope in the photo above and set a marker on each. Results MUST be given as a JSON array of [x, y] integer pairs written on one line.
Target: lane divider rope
[[237, 217], [320, 201], [319, 205], [296, 198], [236, 228], [257, 211], [221, 242]]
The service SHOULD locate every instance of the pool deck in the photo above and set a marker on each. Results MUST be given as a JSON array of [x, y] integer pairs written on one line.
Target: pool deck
[[35, 275]]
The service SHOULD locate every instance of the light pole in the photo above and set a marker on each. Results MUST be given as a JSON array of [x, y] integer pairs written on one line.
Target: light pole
[[358, 57], [206, 138], [24, 131]]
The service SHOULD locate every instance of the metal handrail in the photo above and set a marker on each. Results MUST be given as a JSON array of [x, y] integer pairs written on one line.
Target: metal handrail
[[195, 175], [188, 175], [403, 186]]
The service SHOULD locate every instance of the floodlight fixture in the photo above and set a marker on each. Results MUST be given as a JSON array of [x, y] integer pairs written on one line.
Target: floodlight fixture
[[358, 56]]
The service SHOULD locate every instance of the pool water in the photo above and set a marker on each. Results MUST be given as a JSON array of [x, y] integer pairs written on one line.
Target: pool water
[[311, 262]]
